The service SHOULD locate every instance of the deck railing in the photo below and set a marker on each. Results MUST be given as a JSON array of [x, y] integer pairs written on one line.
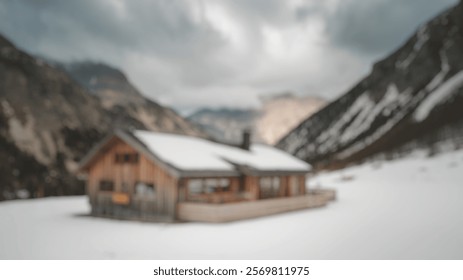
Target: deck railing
[[208, 212]]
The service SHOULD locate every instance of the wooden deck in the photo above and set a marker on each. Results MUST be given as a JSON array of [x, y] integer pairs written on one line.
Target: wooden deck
[[226, 212]]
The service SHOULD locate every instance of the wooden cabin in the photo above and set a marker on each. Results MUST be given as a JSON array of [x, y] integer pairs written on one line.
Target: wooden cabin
[[166, 177]]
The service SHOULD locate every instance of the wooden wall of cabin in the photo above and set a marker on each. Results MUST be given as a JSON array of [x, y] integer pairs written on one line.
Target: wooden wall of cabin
[[105, 167]]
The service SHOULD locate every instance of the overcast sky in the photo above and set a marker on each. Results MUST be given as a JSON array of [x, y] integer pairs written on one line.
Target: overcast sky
[[194, 53]]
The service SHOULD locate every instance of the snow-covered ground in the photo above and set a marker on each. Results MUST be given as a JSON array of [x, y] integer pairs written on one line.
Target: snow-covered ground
[[405, 209]]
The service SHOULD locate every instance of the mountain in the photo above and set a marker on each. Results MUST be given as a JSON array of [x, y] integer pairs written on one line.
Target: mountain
[[413, 98], [48, 121], [281, 113], [277, 115], [225, 124], [124, 102]]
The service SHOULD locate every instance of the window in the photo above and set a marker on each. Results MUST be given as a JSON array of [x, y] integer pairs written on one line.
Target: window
[[195, 186], [145, 189], [210, 185], [126, 158], [106, 186], [224, 185], [198, 186], [269, 187]]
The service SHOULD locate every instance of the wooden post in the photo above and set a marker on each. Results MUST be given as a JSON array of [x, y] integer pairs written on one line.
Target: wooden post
[[302, 185]]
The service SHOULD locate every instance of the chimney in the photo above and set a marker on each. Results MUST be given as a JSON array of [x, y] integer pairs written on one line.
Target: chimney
[[246, 141]]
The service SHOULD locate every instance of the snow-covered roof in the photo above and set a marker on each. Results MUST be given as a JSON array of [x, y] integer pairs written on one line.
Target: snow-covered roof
[[187, 153]]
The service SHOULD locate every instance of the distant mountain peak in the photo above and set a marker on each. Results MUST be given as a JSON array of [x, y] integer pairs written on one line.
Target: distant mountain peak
[[288, 95], [277, 115]]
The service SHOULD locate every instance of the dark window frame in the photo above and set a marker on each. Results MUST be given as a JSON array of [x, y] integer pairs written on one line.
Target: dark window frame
[[132, 158], [106, 186]]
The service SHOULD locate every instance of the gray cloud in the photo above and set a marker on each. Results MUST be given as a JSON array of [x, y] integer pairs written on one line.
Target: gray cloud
[[163, 27], [225, 53], [376, 27]]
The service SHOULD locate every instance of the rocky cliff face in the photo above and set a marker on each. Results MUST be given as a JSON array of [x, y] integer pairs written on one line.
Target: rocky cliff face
[[413, 97], [281, 113], [48, 121]]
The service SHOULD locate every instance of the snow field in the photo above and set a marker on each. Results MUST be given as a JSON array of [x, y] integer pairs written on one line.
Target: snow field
[[404, 209]]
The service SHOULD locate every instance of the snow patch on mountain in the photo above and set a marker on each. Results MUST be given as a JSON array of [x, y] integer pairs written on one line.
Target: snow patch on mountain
[[422, 38], [438, 96], [439, 78], [388, 107], [359, 118]]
